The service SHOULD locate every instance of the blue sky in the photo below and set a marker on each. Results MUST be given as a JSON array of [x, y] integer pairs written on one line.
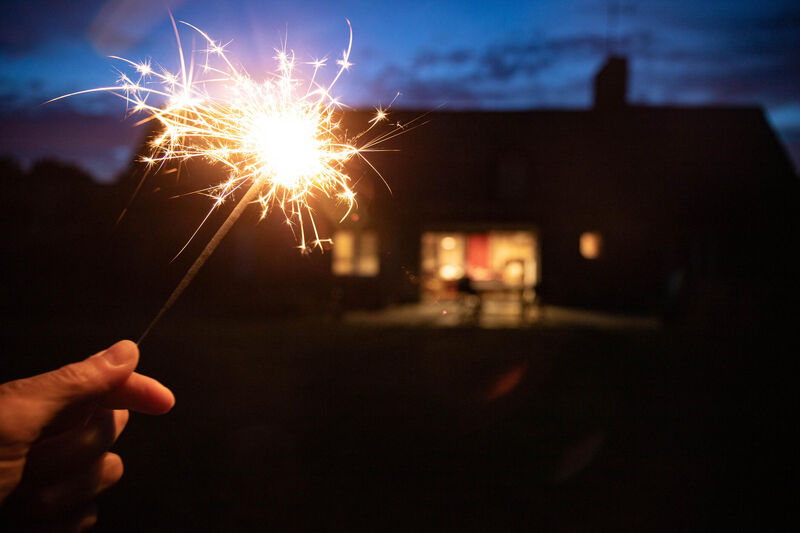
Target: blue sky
[[464, 55]]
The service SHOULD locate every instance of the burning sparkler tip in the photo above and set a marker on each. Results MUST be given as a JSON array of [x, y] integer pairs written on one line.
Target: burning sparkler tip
[[276, 136]]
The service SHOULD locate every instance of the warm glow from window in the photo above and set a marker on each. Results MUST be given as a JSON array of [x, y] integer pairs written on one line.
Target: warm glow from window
[[449, 243], [343, 253], [591, 244], [508, 252], [355, 254], [368, 261], [513, 273], [494, 259], [449, 272]]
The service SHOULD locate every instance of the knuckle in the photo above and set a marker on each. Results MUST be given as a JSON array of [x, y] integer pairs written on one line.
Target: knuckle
[[8, 414], [10, 389], [14, 426], [73, 373]]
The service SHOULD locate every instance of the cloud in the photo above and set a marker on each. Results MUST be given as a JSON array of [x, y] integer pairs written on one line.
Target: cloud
[[121, 24], [533, 72], [740, 59], [786, 20], [29, 25], [681, 53], [761, 84], [745, 58]]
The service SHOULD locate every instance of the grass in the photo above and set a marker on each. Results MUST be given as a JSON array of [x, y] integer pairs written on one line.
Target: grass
[[307, 424]]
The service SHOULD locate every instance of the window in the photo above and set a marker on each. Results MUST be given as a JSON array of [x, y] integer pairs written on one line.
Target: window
[[355, 254], [505, 259], [590, 244]]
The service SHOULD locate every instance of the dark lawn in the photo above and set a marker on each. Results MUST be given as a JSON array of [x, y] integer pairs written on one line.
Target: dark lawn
[[313, 425]]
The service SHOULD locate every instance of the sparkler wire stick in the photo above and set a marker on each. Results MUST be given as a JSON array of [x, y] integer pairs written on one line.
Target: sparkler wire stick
[[249, 196]]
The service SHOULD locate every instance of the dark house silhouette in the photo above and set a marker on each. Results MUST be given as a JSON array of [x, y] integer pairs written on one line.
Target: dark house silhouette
[[630, 207]]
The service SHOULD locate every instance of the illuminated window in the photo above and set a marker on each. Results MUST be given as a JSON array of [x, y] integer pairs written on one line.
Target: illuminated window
[[355, 254], [512, 257], [494, 258], [343, 253], [591, 244], [368, 263], [513, 273]]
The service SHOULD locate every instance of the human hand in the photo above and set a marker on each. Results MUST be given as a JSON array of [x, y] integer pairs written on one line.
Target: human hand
[[55, 432]]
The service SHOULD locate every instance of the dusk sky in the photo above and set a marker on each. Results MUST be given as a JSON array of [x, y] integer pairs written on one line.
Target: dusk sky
[[460, 55]]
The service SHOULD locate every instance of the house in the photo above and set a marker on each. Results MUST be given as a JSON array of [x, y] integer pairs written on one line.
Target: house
[[617, 207]]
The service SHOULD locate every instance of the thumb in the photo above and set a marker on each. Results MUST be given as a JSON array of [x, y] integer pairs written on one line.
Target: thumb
[[46, 395]]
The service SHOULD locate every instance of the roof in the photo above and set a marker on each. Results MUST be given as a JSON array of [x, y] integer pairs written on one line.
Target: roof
[[627, 161]]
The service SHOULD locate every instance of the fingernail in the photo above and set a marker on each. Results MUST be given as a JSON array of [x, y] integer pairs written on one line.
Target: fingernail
[[118, 355]]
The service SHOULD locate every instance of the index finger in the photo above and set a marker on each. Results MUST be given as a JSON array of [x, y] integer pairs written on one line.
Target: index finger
[[140, 393]]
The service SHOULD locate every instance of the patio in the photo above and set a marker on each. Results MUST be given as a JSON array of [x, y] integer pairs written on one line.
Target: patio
[[496, 313]]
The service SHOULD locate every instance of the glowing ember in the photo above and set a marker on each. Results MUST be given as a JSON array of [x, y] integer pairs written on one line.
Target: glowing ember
[[278, 139]]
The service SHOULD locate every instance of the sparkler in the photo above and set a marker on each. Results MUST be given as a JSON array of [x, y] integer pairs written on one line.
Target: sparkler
[[279, 140]]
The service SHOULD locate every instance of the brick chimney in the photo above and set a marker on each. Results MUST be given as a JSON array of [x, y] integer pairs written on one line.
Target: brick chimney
[[611, 84]]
